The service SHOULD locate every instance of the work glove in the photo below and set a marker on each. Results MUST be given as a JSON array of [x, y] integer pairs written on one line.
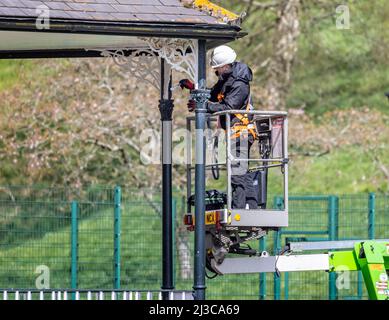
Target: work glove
[[191, 105], [187, 84]]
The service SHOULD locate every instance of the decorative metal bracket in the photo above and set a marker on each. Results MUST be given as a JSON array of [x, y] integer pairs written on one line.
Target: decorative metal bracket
[[201, 96], [141, 63], [145, 63], [166, 108], [180, 54]]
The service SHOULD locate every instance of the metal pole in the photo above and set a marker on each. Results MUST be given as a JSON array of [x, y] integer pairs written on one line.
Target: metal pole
[[166, 109], [336, 218], [188, 164], [262, 276], [228, 163], [332, 236], [371, 218], [371, 236], [117, 237], [286, 167], [277, 277], [74, 246], [201, 95], [277, 248]]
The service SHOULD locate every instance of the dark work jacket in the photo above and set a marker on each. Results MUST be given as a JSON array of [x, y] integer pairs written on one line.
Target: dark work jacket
[[235, 86]]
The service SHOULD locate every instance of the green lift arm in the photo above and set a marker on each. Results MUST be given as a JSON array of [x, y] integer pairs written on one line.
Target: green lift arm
[[372, 258], [369, 256]]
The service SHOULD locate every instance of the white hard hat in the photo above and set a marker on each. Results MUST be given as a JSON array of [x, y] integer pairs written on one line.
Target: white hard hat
[[221, 56]]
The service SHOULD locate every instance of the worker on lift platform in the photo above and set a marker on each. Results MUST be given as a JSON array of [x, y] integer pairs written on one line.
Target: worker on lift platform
[[232, 92]]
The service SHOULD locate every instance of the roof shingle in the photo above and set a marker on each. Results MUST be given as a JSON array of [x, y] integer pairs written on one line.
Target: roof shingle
[[108, 10]]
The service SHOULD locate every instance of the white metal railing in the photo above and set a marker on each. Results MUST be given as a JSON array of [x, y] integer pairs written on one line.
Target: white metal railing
[[96, 294]]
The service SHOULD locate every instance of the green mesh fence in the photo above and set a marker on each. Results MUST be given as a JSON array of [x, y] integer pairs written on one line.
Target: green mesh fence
[[37, 233], [353, 224], [308, 219], [35, 237], [141, 250], [382, 217], [95, 245]]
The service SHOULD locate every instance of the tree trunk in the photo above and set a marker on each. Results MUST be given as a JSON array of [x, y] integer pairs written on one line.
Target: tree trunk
[[285, 49]]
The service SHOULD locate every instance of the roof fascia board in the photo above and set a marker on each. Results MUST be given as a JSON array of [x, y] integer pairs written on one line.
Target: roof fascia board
[[175, 30], [214, 34], [42, 54]]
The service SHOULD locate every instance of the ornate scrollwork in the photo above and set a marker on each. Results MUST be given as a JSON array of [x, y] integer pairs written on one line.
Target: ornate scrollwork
[[142, 63], [180, 54], [145, 63]]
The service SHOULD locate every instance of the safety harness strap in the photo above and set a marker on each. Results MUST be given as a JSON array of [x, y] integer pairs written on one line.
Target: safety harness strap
[[244, 125]]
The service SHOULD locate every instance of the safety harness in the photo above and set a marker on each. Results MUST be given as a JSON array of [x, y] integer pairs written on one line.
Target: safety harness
[[244, 126]]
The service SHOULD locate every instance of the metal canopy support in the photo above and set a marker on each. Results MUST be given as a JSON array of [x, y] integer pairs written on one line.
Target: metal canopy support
[[201, 95], [188, 56], [166, 108]]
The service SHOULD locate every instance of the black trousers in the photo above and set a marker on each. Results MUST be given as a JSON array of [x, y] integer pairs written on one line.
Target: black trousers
[[245, 188]]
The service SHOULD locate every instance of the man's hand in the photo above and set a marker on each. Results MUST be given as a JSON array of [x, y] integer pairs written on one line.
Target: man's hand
[[191, 105], [187, 84]]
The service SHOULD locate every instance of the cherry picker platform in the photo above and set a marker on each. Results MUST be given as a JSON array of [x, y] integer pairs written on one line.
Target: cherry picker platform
[[228, 230]]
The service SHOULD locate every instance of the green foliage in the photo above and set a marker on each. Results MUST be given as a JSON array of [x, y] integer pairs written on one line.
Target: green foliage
[[347, 170], [334, 68], [11, 70]]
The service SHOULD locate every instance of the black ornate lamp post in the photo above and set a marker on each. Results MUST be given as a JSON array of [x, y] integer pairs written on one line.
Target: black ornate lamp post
[[166, 107], [201, 95]]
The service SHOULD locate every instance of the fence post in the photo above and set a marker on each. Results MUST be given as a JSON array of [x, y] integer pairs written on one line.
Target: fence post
[[333, 210], [371, 236], [277, 278], [371, 217], [262, 276], [117, 227], [277, 248], [74, 247]]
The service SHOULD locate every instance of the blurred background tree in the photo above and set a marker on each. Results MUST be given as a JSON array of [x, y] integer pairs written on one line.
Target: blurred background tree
[[78, 121]]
